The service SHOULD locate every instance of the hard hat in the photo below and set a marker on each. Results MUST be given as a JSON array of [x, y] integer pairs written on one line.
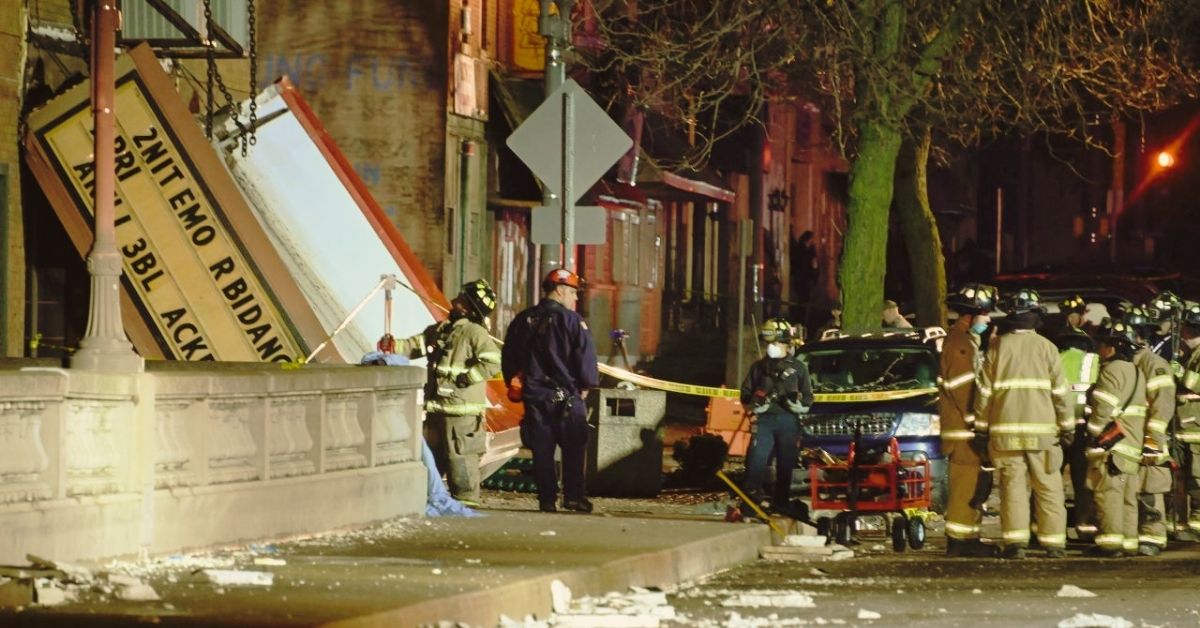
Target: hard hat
[[561, 277], [1191, 315], [776, 330], [1117, 335], [1166, 302], [1072, 304], [1022, 301], [480, 296], [973, 298]]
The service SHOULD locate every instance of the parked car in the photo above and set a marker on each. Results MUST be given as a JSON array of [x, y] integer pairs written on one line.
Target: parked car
[[884, 384]]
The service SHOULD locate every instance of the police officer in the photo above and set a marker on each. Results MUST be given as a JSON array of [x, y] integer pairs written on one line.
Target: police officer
[[1081, 367], [549, 354], [1188, 412], [460, 357], [1154, 476], [1115, 429], [960, 363], [1022, 409], [776, 392]]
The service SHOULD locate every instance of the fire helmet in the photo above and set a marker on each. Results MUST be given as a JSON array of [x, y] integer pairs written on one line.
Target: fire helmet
[[1166, 302], [776, 330], [561, 277], [1073, 304], [1117, 335], [973, 298], [1138, 316], [479, 296], [1191, 315], [1023, 301]]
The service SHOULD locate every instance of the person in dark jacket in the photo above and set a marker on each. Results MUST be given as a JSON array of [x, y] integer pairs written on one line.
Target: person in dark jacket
[[549, 362], [775, 393]]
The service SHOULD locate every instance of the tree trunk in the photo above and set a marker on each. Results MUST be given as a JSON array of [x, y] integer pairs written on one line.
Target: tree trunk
[[865, 246], [921, 237]]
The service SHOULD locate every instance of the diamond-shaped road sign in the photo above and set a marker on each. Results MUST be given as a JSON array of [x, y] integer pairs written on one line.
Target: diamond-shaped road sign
[[598, 142]]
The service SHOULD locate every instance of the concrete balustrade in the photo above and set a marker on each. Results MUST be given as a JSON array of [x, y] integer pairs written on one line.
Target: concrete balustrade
[[96, 465]]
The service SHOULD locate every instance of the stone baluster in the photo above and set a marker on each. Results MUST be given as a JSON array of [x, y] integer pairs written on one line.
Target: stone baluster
[[392, 412], [174, 444], [23, 456], [344, 435], [232, 445], [91, 451], [290, 445]]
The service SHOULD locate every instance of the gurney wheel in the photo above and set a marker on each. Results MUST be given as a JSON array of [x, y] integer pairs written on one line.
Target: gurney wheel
[[899, 526], [841, 530], [916, 533]]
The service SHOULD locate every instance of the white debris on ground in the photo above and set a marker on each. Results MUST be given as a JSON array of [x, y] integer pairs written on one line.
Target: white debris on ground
[[547, 533], [636, 608], [1095, 620], [804, 540], [270, 562], [866, 614], [235, 577], [770, 598], [1070, 590]]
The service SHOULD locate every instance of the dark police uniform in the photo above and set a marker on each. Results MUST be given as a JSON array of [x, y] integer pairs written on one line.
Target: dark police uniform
[[551, 348], [772, 382]]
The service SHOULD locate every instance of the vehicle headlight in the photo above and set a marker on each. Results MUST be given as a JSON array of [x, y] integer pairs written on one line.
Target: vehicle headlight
[[919, 424]]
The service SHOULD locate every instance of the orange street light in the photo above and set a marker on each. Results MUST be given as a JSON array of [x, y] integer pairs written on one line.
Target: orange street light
[[1164, 159]]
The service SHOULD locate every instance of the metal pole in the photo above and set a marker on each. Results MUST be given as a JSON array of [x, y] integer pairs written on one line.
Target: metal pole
[[741, 324], [568, 162], [104, 346], [999, 225], [557, 31]]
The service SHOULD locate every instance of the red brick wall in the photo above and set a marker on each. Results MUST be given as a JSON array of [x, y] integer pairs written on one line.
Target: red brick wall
[[376, 73]]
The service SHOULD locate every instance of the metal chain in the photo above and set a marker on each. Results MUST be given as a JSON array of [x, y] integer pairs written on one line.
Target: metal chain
[[212, 69], [253, 44], [214, 75]]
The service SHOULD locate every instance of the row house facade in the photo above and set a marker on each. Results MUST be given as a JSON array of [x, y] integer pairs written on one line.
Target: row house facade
[[420, 97]]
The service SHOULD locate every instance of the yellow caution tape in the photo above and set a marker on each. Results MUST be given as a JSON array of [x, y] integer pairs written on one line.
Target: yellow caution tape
[[733, 393]]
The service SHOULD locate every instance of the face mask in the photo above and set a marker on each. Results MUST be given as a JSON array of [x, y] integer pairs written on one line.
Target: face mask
[[776, 351], [979, 328]]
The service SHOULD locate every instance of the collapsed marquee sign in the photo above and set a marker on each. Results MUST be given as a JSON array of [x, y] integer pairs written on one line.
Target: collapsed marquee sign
[[201, 280]]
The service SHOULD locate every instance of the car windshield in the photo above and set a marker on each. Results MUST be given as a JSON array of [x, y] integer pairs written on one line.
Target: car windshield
[[859, 369]]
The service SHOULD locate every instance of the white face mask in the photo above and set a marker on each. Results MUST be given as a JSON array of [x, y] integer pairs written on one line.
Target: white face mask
[[776, 351]]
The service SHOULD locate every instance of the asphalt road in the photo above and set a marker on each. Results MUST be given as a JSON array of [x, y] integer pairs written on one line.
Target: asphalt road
[[923, 588]]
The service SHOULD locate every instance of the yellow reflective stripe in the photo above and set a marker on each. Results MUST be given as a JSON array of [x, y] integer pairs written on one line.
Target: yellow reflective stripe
[[1080, 387], [1133, 411], [1024, 428], [961, 380], [1053, 540], [1110, 541], [1023, 384], [984, 390], [1158, 426], [1085, 369], [1016, 535], [1194, 525], [1129, 543], [1153, 539], [450, 370], [1106, 397], [456, 408], [1188, 437], [957, 435], [1160, 381], [981, 426], [489, 356], [961, 530]]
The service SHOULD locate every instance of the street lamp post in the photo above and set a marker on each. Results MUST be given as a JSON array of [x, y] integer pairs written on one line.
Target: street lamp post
[[104, 346]]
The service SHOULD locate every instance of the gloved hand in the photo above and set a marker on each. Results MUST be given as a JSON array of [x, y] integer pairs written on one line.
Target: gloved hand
[[462, 380], [797, 407], [1176, 369], [1066, 438]]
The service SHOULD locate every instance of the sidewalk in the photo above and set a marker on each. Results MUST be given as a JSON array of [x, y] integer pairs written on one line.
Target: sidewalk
[[409, 572]]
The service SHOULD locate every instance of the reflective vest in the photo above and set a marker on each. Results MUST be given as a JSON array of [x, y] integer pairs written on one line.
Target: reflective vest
[[1081, 368], [1022, 401]]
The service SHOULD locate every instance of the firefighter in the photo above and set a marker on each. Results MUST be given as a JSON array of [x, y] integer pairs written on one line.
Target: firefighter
[[1188, 413], [961, 358], [1163, 341], [1022, 410], [776, 392], [1081, 367], [1073, 308], [460, 357], [550, 358], [1154, 476], [1116, 428]]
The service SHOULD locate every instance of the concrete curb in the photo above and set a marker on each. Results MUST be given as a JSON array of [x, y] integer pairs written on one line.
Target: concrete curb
[[532, 596]]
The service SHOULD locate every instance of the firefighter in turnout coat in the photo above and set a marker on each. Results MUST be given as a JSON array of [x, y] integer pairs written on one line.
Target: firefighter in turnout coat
[[1022, 410], [1154, 477], [1115, 428], [460, 356], [960, 363], [1188, 413], [1081, 367]]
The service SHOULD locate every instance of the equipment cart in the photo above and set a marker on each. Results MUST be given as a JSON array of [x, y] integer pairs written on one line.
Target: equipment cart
[[897, 490]]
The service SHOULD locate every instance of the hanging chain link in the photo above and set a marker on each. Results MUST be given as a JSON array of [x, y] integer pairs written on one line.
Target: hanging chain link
[[215, 77], [253, 44], [212, 69]]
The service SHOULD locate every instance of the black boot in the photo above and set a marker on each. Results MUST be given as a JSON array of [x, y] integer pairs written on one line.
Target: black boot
[[578, 505]]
